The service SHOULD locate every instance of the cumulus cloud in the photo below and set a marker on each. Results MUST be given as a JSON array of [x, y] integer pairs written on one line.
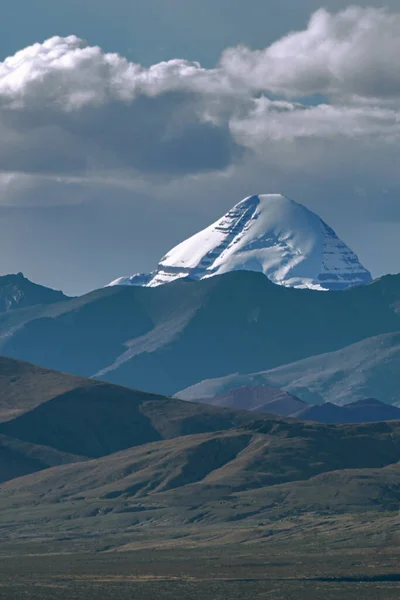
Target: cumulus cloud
[[350, 54], [69, 109], [69, 74]]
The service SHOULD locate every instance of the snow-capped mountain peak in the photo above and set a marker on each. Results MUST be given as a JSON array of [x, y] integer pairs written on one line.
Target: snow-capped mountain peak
[[269, 233]]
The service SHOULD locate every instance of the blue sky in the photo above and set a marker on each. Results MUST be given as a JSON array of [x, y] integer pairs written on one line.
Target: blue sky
[[105, 165], [149, 31]]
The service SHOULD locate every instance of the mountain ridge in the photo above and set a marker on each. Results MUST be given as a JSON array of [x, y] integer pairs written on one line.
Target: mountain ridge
[[150, 338], [16, 291], [78, 417], [265, 399]]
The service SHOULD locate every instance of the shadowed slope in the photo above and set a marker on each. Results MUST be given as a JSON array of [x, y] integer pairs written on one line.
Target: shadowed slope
[[19, 458], [24, 386], [92, 418], [18, 292], [167, 338], [362, 411]]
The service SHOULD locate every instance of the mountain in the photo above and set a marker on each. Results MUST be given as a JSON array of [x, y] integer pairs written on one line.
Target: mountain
[[361, 411], [248, 483], [24, 386], [100, 467], [167, 338], [18, 292], [49, 418], [19, 458], [323, 413], [264, 399], [369, 368], [371, 410], [259, 399], [263, 453], [271, 234]]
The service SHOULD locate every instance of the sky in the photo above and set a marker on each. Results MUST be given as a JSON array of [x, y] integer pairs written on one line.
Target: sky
[[125, 127]]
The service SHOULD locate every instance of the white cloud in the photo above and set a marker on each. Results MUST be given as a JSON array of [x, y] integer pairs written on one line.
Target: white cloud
[[276, 121], [68, 109], [350, 54], [67, 74]]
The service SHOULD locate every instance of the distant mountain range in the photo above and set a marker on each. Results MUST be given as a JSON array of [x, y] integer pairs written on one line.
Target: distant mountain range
[[261, 399], [264, 399], [167, 338], [361, 411], [368, 368], [270, 234]]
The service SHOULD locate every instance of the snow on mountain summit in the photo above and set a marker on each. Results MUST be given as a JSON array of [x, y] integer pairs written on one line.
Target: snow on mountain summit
[[268, 233]]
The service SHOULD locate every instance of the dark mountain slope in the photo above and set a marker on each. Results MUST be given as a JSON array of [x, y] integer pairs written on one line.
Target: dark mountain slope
[[19, 458], [92, 418], [24, 386], [371, 410], [18, 292], [166, 338], [91, 421], [361, 411], [324, 413]]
